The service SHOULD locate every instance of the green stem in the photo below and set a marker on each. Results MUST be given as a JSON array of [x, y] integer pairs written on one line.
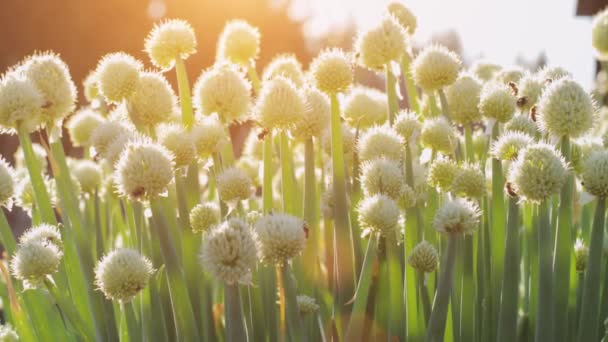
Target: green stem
[[412, 93], [589, 320], [128, 318], [498, 217], [507, 317], [544, 319], [70, 311], [267, 187], [292, 313], [236, 330], [253, 77], [391, 92], [468, 143], [288, 188], [185, 99], [395, 293], [562, 251], [424, 294], [6, 235], [343, 249], [357, 318], [444, 105], [436, 327]]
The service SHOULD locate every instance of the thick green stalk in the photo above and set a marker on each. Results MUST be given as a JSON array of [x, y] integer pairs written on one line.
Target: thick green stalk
[[395, 294], [391, 92], [468, 143], [129, 323], [444, 105], [358, 313], [253, 77], [70, 311], [287, 186], [436, 327], [507, 317], [185, 99], [424, 296], [604, 300], [343, 249], [236, 330], [267, 187], [182, 305], [292, 313], [544, 319], [310, 216], [589, 320], [562, 251], [410, 88], [6, 235], [498, 216], [579, 300]]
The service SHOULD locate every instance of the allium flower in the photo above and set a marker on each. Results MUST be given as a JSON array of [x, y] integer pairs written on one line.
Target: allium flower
[[279, 237], [435, 67], [507, 75], [469, 181], [88, 174], [105, 134], [424, 257], [529, 88], [523, 124], [81, 126], [169, 40], [144, 170], [509, 144], [379, 214], [224, 90], [239, 42], [7, 184], [599, 34], [20, 104], [307, 305], [463, 98], [118, 76], [348, 141], [280, 104], [52, 78], [382, 44], [91, 87], [34, 260], [43, 233], [404, 16], [382, 176], [407, 126], [122, 274], [179, 142], [204, 216], [252, 168], [228, 252], [438, 135], [209, 135], [581, 252], [153, 100], [497, 101], [457, 216], [553, 73], [316, 116], [287, 66], [485, 70], [538, 172], [565, 109], [581, 149], [364, 107], [234, 185], [332, 71], [8, 334], [595, 174], [380, 141]]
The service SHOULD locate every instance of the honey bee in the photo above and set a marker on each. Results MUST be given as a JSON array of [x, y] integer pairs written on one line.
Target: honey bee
[[533, 113], [509, 189], [522, 101], [263, 134], [514, 88], [138, 192], [306, 228]]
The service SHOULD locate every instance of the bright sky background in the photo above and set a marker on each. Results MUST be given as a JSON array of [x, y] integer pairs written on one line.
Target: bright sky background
[[495, 29]]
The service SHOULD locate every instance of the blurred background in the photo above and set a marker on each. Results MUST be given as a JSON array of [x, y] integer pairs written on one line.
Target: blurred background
[[529, 33]]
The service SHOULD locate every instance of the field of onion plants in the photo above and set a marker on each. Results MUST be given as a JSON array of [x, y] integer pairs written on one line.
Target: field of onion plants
[[458, 203]]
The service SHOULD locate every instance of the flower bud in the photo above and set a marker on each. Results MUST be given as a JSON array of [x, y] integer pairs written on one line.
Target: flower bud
[[153, 100], [469, 182], [463, 98], [364, 107], [81, 126], [424, 257], [179, 142], [382, 176], [438, 135], [122, 274], [497, 102], [307, 305], [287, 66], [20, 104], [485, 70], [34, 260], [379, 214], [118, 76], [380, 141], [234, 185], [279, 105], [435, 67], [509, 144], [204, 216], [382, 44], [88, 174], [404, 16]]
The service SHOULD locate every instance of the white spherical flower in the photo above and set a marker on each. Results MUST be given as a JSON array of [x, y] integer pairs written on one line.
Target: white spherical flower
[[332, 71], [404, 15], [81, 126], [599, 34], [234, 185], [279, 237], [122, 274], [438, 134], [168, 41], [209, 136], [88, 174], [280, 104], [435, 67], [239, 42], [287, 66], [379, 214], [153, 100], [463, 98], [497, 101], [595, 174], [34, 261], [178, 141], [364, 107], [20, 104], [457, 216], [407, 126], [380, 141], [317, 115], [44, 233], [509, 144], [118, 76], [382, 44], [382, 176], [529, 88], [484, 69], [7, 184]]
